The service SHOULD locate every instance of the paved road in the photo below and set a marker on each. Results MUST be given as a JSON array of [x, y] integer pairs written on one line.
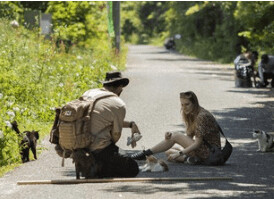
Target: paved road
[[157, 77]]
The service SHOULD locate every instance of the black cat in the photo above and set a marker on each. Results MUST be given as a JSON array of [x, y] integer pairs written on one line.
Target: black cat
[[85, 164], [29, 141]]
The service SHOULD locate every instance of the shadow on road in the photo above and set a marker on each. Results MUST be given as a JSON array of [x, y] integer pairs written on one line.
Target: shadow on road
[[175, 60], [156, 52]]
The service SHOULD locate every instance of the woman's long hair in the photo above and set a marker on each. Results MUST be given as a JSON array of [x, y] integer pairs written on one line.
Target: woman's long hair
[[189, 119]]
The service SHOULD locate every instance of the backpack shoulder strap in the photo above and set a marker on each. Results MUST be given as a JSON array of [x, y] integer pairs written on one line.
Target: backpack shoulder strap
[[93, 96], [220, 130]]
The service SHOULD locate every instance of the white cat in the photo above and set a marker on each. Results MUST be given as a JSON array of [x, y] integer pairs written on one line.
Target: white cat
[[153, 165], [265, 141]]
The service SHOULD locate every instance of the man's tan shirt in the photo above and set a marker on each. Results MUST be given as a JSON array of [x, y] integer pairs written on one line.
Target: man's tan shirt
[[106, 121]]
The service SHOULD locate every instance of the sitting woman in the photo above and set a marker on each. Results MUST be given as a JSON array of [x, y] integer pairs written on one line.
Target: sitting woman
[[200, 125]]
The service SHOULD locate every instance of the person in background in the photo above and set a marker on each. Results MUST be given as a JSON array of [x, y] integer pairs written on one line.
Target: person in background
[[245, 65], [266, 70]]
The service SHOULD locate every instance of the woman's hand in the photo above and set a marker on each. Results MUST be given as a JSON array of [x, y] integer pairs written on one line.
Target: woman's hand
[[174, 156], [168, 135], [134, 128], [189, 134]]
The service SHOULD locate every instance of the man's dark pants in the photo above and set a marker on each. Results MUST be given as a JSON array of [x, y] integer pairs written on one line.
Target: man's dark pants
[[112, 164], [268, 76]]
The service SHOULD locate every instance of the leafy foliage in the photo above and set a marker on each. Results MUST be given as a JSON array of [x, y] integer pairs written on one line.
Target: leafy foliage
[[131, 25], [35, 5], [81, 22], [216, 30], [257, 19], [139, 19], [10, 10], [208, 30]]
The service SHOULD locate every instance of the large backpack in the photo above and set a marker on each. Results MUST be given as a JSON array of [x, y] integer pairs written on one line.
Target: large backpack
[[72, 125]]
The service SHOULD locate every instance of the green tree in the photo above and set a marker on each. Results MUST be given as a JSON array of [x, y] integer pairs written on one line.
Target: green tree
[[10, 10], [79, 21], [257, 20], [144, 18], [217, 30], [131, 24], [35, 5]]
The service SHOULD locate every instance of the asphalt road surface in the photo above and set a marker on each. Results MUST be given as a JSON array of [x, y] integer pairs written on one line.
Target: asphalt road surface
[[157, 76]]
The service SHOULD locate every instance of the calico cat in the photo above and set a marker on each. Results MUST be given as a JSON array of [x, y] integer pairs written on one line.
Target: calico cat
[[153, 165], [265, 140], [29, 141]]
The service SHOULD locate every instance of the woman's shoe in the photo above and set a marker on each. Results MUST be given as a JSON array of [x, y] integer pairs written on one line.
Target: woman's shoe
[[192, 160], [138, 156], [141, 155]]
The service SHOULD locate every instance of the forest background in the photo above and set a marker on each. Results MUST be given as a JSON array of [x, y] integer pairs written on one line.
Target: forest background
[[38, 74]]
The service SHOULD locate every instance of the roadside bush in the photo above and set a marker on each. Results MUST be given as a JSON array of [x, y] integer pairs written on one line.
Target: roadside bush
[[10, 10]]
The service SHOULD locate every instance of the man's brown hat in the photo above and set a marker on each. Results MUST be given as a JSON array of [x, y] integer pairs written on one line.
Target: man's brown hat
[[115, 78]]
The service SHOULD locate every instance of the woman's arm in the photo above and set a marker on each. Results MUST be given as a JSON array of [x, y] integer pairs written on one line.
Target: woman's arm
[[196, 144]]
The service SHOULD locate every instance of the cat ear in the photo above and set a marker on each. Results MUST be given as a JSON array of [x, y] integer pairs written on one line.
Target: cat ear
[[36, 134], [14, 123], [257, 131], [163, 164], [27, 133]]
